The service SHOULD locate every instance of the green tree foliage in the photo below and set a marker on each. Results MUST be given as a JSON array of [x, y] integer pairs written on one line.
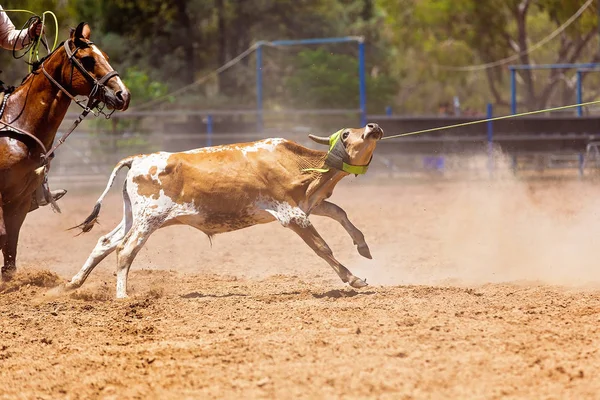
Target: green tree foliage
[[141, 87], [142, 90], [163, 45], [326, 80], [466, 32], [177, 41]]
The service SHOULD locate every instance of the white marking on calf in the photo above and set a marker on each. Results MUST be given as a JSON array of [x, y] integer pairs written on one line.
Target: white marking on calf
[[162, 208], [266, 144], [158, 160], [284, 212]]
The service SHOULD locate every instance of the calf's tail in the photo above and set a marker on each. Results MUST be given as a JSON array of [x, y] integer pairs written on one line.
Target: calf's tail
[[91, 220]]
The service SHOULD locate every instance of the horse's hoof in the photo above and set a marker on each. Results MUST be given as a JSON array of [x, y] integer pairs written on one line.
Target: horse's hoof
[[8, 274], [365, 252], [357, 283]]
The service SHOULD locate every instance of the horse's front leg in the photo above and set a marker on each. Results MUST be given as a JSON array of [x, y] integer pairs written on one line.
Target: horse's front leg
[[6, 275], [13, 220]]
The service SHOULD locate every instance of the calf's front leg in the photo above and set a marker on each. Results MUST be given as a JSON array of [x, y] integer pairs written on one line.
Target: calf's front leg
[[312, 238], [335, 212]]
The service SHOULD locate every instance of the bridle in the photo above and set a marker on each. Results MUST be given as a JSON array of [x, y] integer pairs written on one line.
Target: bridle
[[98, 86]]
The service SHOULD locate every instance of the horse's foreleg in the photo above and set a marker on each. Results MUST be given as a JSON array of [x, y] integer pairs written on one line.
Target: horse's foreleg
[[13, 220], [5, 274]]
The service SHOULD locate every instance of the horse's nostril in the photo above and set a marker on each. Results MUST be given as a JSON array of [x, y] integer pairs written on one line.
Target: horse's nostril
[[119, 95]]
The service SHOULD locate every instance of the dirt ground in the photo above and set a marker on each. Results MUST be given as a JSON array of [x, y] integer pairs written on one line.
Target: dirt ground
[[477, 290]]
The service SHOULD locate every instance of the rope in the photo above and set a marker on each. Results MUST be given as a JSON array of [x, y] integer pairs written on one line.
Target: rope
[[536, 46], [204, 78], [492, 119], [33, 49]]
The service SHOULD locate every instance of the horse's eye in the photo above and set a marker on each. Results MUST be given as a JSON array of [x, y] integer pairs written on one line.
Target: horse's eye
[[88, 62], [345, 135]]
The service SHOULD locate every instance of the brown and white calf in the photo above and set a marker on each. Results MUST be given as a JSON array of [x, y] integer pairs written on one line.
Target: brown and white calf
[[225, 188]]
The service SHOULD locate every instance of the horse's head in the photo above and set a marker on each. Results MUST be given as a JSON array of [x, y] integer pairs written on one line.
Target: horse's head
[[90, 74]]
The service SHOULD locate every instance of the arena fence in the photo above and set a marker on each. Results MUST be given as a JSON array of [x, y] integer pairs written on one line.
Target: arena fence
[[89, 156]]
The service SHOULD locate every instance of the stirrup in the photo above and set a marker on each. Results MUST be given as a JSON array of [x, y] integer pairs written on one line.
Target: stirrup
[[53, 194], [43, 197]]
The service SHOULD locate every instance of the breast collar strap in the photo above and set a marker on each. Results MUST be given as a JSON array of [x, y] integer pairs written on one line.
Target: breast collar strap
[[8, 127]]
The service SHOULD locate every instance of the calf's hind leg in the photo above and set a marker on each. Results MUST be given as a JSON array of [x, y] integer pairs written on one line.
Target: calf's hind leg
[[106, 245], [129, 248], [312, 238]]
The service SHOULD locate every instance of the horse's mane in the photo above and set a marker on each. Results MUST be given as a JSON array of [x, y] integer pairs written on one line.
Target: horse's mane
[[38, 63]]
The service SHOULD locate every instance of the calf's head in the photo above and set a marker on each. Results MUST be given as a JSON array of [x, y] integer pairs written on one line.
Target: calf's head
[[351, 150]]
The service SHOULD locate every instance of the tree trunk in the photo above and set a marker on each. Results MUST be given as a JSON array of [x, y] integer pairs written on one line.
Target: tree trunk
[[187, 41], [221, 38], [521, 16], [491, 78], [367, 11]]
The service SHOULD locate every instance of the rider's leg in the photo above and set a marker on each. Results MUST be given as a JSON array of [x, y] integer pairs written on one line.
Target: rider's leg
[[39, 198], [43, 196]]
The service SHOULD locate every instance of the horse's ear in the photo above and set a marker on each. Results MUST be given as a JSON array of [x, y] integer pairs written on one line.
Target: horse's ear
[[83, 31], [86, 32]]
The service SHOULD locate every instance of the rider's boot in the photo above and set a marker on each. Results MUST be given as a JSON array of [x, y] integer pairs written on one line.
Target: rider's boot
[[41, 197]]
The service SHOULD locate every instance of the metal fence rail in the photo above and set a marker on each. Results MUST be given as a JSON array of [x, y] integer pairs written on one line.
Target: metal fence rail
[[90, 156]]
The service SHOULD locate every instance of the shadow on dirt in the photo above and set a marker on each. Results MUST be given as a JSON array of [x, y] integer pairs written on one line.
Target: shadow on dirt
[[198, 295], [337, 294]]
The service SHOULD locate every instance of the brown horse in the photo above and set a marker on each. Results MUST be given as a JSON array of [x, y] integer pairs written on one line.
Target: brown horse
[[31, 116]]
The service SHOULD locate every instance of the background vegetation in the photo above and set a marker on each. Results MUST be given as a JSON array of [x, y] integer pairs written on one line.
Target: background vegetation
[[162, 45]]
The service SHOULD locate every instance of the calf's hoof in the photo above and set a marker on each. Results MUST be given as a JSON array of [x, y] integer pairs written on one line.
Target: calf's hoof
[[71, 286], [365, 252], [357, 283]]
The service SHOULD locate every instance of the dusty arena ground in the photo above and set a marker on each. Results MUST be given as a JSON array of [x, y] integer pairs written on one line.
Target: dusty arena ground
[[478, 290]]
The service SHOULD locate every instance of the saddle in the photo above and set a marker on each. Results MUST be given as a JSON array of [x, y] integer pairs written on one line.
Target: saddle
[[5, 91], [42, 195]]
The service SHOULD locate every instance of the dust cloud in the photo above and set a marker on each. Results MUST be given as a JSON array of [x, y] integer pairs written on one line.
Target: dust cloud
[[505, 229]]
